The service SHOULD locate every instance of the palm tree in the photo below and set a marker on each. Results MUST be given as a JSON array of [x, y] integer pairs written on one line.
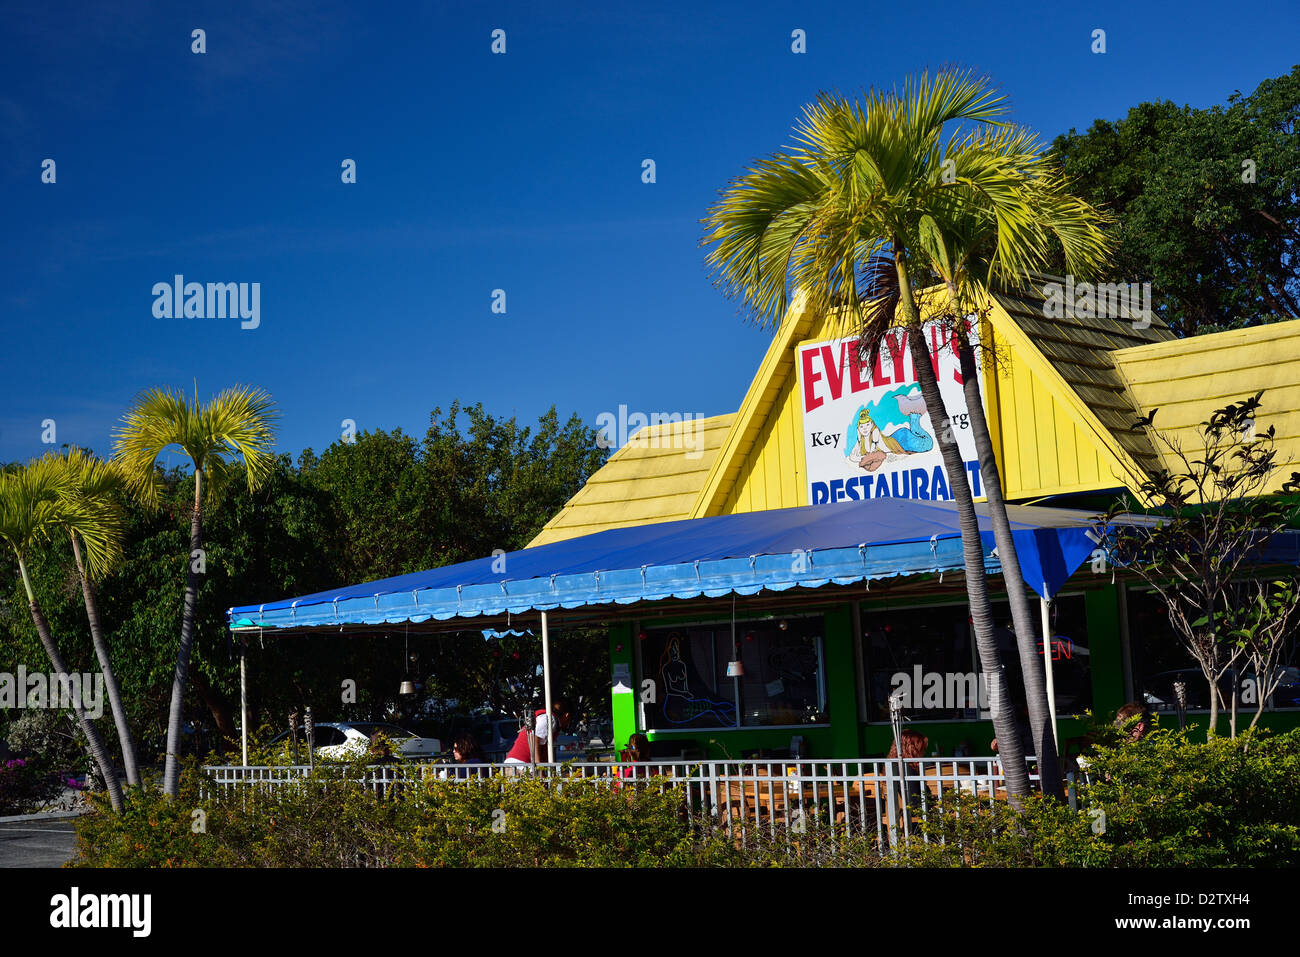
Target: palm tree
[[238, 422], [859, 213], [97, 483], [34, 504], [971, 254]]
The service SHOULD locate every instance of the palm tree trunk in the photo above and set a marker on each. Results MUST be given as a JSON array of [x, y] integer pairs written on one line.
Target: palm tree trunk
[[1010, 749], [93, 741], [105, 665], [172, 768], [1022, 616]]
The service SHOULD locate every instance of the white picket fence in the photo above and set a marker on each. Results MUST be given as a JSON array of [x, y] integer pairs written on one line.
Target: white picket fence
[[777, 797]]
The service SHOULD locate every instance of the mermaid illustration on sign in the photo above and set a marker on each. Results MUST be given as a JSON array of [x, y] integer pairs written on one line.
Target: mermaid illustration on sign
[[891, 426], [681, 705]]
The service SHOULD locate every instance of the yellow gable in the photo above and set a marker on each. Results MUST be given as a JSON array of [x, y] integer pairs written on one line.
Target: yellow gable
[[1062, 389]]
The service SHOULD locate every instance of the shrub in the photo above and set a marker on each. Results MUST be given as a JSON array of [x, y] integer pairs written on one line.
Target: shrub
[[331, 820], [1159, 802], [50, 737], [26, 786], [1163, 801], [1170, 802]]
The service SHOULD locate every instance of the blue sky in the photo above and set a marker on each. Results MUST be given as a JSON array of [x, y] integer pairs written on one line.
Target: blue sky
[[475, 172]]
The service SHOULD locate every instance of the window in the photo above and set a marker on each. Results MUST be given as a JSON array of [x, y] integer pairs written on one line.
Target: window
[[929, 653], [1159, 660], [781, 685], [324, 736]]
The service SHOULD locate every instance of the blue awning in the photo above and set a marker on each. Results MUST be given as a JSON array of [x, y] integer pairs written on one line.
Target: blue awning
[[742, 554]]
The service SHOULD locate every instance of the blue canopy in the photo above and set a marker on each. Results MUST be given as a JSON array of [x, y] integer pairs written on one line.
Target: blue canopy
[[742, 554]]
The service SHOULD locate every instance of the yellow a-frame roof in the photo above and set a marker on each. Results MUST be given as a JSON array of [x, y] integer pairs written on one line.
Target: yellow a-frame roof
[[1184, 381], [655, 477], [1062, 395]]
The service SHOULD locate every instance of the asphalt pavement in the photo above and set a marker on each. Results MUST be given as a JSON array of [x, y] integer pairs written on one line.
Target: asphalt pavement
[[37, 843]]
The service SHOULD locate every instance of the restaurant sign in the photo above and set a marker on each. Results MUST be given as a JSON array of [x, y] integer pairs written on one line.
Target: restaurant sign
[[868, 432]]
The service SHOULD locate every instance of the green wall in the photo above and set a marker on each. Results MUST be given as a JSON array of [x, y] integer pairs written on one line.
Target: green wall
[[845, 736]]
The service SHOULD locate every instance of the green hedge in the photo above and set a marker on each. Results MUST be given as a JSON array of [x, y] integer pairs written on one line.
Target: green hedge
[[436, 823], [1160, 802], [1163, 801]]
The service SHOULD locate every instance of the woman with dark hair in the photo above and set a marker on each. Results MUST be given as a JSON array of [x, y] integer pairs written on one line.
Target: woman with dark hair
[[465, 749], [638, 750]]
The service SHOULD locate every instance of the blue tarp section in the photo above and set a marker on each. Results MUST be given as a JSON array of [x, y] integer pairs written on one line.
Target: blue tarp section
[[742, 554]]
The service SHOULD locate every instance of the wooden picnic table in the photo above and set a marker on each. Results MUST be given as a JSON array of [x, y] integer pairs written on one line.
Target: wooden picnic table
[[750, 798]]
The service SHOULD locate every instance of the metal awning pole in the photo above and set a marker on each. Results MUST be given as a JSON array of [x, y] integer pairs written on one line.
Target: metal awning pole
[[1045, 606], [546, 682], [243, 701]]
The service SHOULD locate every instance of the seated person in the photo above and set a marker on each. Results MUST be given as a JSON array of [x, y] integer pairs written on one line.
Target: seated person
[[914, 746], [466, 750], [638, 750], [1135, 719]]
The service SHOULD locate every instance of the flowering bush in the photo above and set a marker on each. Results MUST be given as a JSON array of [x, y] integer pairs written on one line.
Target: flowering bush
[[26, 786]]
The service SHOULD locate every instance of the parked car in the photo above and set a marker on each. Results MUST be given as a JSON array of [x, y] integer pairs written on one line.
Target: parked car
[[347, 739], [1159, 694]]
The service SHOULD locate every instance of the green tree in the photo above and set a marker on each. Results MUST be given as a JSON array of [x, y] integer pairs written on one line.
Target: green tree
[[97, 484], [238, 422], [475, 485], [876, 199], [35, 503], [1205, 202], [1202, 551]]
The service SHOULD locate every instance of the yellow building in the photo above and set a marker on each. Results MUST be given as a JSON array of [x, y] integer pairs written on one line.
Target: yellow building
[[1063, 388], [736, 627]]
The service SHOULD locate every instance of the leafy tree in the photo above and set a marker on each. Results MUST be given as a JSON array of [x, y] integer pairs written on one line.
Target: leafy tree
[[1205, 202], [1201, 551], [476, 483], [470, 488]]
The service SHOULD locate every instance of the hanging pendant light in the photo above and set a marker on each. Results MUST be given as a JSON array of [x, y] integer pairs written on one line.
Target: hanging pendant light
[[408, 686], [735, 667]]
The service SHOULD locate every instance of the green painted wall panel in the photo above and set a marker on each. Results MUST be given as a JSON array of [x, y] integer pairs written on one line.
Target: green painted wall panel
[[623, 706], [1106, 650]]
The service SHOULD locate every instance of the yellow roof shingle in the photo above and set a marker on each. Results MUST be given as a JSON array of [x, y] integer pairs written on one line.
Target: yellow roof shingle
[[655, 477]]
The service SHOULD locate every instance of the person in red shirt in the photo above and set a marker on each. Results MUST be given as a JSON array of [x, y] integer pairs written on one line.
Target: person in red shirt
[[520, 752]]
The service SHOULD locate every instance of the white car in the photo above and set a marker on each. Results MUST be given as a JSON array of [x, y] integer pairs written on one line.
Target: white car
[[349, 739]]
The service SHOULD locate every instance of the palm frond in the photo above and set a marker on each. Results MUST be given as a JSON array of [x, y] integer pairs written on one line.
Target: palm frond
[[875, 180], [93, 510], [42, 499], [238, 421]]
